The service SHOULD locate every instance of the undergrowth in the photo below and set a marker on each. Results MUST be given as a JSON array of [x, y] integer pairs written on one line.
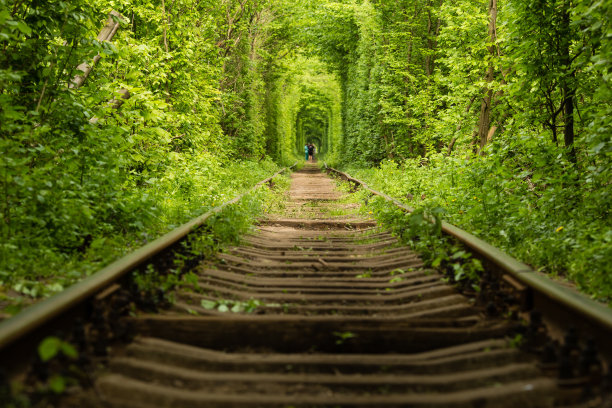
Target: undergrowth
[[422, 231], [35, 264], [549, 214], [221, 230]]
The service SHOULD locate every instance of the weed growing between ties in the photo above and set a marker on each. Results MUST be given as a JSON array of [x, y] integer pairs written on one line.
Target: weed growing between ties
[[422, 230], [56, 367]]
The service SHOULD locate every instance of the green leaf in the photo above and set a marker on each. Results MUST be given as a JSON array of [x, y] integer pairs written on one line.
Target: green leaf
[[436, 262], [49, 348], [57, 384], [208, 304], [598, 148], [69, 350], [21, 26]]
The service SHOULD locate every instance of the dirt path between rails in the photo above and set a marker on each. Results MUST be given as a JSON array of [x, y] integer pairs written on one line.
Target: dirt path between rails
[[320, 307]]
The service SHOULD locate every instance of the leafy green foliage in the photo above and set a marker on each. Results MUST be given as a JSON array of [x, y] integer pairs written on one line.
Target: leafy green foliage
[[542, 215], [413, 75], [343, 337], [422, 230], [221, 229], [234, 306], [50, 347], [221, 93], [82, 181]]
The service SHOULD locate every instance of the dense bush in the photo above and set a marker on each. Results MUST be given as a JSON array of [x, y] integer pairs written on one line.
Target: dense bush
[[498, 112], [82, 180], [539, 211]]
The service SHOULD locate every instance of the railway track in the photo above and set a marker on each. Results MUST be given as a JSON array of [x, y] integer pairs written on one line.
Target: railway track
[[321, 307]]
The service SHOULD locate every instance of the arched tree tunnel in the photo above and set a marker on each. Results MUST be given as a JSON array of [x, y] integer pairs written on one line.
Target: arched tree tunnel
[[303, 107], [312, 127], [183, 103], [317, 117]]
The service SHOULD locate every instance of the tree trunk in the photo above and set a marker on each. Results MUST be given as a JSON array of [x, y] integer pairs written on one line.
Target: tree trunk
[[458, 128], [165, 22], [568, 83], [432, 39], [485, 106], [114, 103], [409, 58], [485, 113], [429, 26], [107, 34]]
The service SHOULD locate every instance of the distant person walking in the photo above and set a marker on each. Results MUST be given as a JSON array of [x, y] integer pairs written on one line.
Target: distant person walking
[[306, 151], [311, 151]]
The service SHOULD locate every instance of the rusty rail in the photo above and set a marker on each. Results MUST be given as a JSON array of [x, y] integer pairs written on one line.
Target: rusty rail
[[42, 312], [564, 306]]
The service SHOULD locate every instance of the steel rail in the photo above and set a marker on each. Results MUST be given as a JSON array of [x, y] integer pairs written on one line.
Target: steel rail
[[38, 314], [590, 309]]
